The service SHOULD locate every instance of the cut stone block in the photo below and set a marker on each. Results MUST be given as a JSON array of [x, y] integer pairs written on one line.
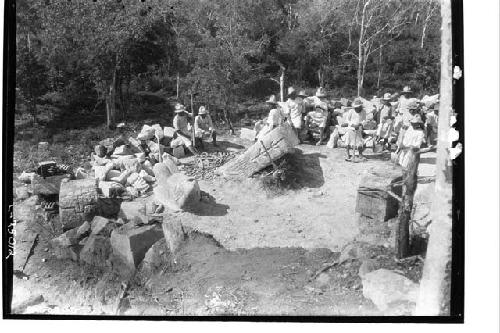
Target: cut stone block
[[131, 243], [96, 251], [111, 189], [135, 212], [178, 191], [174, 234], [278, 142], [373, 200], [77, 202], [101, 226], [48, 185]]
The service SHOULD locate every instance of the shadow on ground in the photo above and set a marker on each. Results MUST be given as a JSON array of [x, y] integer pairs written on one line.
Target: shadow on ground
[[209, 207], [304, 170]]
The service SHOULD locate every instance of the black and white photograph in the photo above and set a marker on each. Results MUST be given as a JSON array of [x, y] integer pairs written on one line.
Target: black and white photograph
[[234, 159]]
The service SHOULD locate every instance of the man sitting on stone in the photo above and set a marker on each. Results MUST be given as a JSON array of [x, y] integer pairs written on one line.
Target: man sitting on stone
[[203, 127], [182, 135]]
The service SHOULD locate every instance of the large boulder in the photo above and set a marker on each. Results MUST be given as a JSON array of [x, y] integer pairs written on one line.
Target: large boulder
[[384, 287], [130, 243], [77, 202], [177, 191]]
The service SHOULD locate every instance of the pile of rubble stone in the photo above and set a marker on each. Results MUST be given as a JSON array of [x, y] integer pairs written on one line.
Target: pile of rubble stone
[[124, 166]]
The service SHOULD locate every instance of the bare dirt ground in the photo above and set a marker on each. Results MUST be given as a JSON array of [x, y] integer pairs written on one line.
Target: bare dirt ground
[[254, 252]]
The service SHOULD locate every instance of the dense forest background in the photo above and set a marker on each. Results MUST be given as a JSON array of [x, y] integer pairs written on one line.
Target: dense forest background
[[114, 60]]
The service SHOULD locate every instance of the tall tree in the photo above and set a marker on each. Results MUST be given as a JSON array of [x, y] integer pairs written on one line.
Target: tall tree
[[438, 255]]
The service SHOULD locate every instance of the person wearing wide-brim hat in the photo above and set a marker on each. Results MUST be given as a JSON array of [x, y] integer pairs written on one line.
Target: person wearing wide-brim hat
[[385, 116], [292, 109], [407, 90], [413, 139], [302, 94], [274, 119], [356, 118], [182, 135], [203, 127]]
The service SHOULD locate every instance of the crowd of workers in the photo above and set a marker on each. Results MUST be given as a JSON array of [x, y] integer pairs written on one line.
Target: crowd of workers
[[395, 122]]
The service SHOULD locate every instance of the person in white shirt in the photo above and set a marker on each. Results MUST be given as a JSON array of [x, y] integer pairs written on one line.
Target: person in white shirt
[[355, 119], [413, 139], [203, 127], [183, 135], [385, 121], [274, 119], [319, 116], [292, 109]]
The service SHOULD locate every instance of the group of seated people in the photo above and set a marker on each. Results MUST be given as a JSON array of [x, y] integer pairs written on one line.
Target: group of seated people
[[397, 119], [203, 129]]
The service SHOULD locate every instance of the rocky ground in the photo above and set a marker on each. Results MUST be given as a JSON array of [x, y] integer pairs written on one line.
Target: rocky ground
[[249, 251]]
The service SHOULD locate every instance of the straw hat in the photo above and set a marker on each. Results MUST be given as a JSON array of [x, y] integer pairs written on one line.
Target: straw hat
[[179, 108], [416, 119], [357, 103], [320, 92], [302, 93], [387, 97], [202, 110], [407, 90], [291, 91], [272, 100]]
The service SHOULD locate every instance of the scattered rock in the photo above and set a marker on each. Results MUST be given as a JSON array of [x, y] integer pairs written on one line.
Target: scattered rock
[[130, 243], [134, 211], [111, 189], [177, 192], [353, 251], [367, 266], [102, 226], [96, 250], [384, 287], [323, 279], [174, 234], [156, 258], [67, 239], [22, 192]]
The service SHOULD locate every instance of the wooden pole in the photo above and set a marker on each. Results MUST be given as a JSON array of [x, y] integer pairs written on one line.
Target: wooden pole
[[406, 204], [432, 284]]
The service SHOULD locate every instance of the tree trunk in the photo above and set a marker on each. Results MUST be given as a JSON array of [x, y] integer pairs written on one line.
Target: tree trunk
[[406, 205], [278, 142], [379, 70], [360, 64], [432, 284], [282, 85], [111, 103]]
